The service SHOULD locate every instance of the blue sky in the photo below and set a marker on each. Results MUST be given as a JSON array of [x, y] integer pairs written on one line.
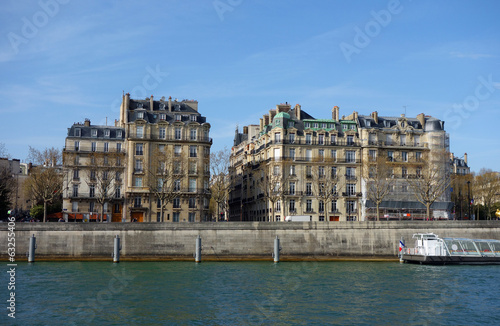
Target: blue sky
[[62, 61]]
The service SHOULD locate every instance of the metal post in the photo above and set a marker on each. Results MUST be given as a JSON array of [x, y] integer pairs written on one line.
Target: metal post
[[468, 195], [32, 247], [276, 253], [197, 253], [116, 250]]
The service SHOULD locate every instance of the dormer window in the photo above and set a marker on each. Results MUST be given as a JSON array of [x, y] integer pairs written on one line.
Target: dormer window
[[193, 117], [119, 134], [162, 106], [106, 133], [178, 117], [78, 132], [368, 123], [290, 124], [139, 105], [140, 115], [94, 132], [163, 116]]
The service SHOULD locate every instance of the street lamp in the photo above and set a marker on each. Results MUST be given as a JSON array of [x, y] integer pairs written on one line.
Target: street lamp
[[468, 195]]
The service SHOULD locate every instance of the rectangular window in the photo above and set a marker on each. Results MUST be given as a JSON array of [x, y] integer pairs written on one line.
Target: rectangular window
[[76, 174], [161, 148], [117, 192], [138, 166], [75, 190], [308, 139], [321, 171], [334, 206], [277, 137], [291, 189], [118, 161], [278, 206], [139, 131], [94, 132], [309, 205], [106, 147], [192, 202], [91, 206], [321, 154], [333, 155], [292, 153], [292, 170], [139, 149], [175, 216], [91, 191], [418, 156], [192, 134], [177, 202], [119, 134], [404, 156], [140, 115], [93, 146], [192, 185], [308, 171], [332, 139], [192, 117], [92, 174], [292, 205], [191, 216], [163, 116], [350, 156], [74, 206], [78, 132], [308, 189], [388, 139], [118, 147], [334, 172], [291, 138], [390, 156], [162, 133], [138, 182], [404, 172], [351, 189], [192, 151], [350, 140], [350, 173], [321, 139], [137, 201], [351, 206], [276, 170], [177, 133], [372, 154], [106, 133], [177, 150], [321, 207], [308, 155], [77, 145], [417, 140]]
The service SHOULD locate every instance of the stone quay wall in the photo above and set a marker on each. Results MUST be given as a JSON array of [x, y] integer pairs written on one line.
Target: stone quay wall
[[232, 240]]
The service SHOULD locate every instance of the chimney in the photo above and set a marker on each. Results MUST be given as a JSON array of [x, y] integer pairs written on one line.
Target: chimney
[[465, 159], [272, 113], [298, 111], [452, 156], [261, 124], [245, 130], [421, 119], [151, 103], [87, 123], [355, 116], [266, 120], [375, 116], [335, 113], [170, 104]]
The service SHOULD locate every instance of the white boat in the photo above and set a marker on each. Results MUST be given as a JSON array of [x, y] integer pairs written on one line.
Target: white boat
[[431, 249]]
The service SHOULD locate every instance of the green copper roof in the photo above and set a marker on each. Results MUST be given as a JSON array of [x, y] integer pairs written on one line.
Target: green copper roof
[[282, 115]]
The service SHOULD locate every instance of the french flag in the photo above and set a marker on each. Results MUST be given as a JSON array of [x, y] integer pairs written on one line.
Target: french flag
[[401, 245]]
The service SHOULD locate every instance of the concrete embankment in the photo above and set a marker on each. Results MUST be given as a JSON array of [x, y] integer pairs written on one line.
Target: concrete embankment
[[232, 241]]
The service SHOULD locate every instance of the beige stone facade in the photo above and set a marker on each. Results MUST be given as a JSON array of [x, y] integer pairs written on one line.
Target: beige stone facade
[[158, 143]]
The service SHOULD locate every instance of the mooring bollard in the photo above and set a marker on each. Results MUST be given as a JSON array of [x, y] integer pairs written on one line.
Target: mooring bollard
[[197, 253], [31, 250], [116, 250], [276, 253]]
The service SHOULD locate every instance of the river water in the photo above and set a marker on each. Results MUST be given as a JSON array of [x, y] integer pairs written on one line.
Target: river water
[[252, 293]]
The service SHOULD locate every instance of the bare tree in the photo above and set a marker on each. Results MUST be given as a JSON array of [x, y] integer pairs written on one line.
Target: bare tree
[[47, 157], [6, 186], [220, 183], [325, 182], [44, 184], [379, 178], [460, 195], [102, 177], [487, 188], [432, 178], [273, 183], [3, 151], [165, 176]]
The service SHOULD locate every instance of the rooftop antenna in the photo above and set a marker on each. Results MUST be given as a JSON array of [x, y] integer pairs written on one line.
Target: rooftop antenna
[[405, 109]]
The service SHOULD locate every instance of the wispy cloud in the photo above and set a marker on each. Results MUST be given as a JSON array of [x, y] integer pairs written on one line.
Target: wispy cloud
[[474, 56]]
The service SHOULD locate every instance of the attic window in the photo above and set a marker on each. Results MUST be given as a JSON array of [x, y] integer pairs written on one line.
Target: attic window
[[162, 116], [192, 117], [94, 132], [178, 117], [290, 124], [119, 134], [162, 106], [177, 107], [139, 105], [368, 123], [106, 133], [140, 115], [78, 132]]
